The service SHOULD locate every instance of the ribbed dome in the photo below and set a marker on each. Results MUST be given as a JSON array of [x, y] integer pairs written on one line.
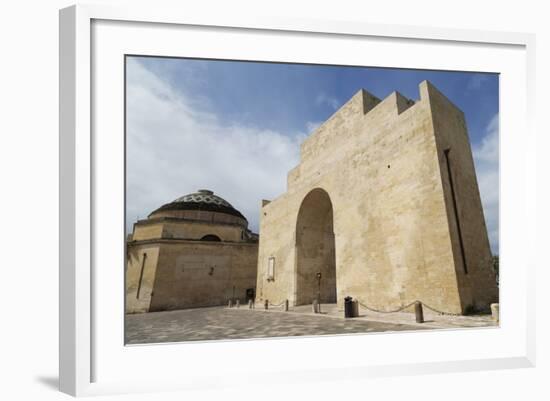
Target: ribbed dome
[[203, 200]]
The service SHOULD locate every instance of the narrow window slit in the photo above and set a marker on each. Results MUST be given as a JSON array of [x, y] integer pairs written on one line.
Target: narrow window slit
[[460, 240], [141, 274]]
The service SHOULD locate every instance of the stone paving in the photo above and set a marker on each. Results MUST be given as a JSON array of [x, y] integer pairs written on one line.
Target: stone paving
[[431, 320], [220, 323]]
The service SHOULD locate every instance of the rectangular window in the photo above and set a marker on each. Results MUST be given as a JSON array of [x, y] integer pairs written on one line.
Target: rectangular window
[[271, 269]]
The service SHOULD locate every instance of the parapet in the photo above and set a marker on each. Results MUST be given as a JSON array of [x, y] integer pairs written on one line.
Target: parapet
[[362, 110], [429, 93], [361, 105]]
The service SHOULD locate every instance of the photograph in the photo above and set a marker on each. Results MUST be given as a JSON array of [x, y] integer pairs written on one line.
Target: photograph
[[271, 199]]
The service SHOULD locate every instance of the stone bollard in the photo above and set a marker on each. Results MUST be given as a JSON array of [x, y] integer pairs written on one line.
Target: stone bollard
[[230, 304], [418, 312], [286, 305], [238, 303], [495, 312], [355, 304], [266, 304], [249, 304], [315, 306], [355, 308]]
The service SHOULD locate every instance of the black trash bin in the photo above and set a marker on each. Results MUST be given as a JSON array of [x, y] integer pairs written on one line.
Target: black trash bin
[[348, 307]]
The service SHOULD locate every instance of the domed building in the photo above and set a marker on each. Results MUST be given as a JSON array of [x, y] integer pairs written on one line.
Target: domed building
[[195, 251]]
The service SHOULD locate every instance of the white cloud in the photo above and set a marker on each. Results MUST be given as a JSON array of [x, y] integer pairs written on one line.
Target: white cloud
[[322, 98], [486, 158], [176, 146]]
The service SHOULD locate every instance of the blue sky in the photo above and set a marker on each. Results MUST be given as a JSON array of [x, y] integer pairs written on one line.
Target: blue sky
[[243, 123]]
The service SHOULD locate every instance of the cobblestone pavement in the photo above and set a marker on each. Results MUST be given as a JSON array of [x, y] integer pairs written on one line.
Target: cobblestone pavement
[[220, 323]]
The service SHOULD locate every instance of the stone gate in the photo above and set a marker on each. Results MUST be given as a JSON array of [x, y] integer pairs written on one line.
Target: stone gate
[[385, 205]]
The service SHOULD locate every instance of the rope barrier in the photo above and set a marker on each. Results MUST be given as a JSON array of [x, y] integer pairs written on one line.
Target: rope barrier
[[401, 308], [408, 306], [440, 312], [386, 311]]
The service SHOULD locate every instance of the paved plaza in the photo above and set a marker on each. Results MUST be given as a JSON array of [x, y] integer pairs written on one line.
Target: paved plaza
[[221, 323]]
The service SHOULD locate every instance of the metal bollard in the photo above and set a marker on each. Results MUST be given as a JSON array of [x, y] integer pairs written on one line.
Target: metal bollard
[[419, 313], [237, 303], [286, 305], [249, 304], [348, 307], [230, 304], [314, 306], [266, 304]]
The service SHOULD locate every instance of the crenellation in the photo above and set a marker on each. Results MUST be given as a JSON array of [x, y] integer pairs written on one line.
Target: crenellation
[[384, 204], [394, 237]]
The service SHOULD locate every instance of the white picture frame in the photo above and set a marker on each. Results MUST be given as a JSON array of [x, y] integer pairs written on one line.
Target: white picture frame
[[93, 358]]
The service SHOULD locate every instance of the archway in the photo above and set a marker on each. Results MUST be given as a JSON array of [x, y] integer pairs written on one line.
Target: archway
[[315, 250], [211, 237]]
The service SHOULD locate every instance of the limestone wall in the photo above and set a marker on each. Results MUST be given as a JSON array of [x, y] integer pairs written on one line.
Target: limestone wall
[[185, 229], [379, 162], [141, 267], [147, 231], [190, 274], [197, 230], [475, 274]]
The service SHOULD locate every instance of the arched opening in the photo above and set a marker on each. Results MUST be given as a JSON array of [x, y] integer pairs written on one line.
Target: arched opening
[[315, 250], [211, 237]]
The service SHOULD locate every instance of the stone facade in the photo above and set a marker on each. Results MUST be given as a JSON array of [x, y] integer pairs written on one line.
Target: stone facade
[[194, 252], [385, 205]]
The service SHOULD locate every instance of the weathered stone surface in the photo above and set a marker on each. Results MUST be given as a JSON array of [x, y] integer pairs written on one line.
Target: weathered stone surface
[[221, 323], [180, 258], [371, 207]]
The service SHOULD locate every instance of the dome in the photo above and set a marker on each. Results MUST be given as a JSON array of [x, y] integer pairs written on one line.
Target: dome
[[202, 200]]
